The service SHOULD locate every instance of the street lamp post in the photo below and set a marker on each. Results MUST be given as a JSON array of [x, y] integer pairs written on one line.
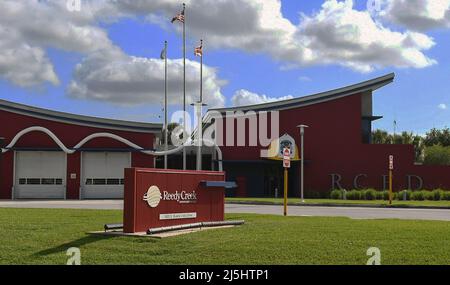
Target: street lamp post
[[302, 160]]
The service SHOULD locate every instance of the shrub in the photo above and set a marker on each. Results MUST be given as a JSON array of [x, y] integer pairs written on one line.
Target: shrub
[[354, 195], [446, 195], [380, 195], [418, 196], [394, 195], [437, 194], [401, 195], [336, 194], [370, 194], [429, 196], [385, 195]]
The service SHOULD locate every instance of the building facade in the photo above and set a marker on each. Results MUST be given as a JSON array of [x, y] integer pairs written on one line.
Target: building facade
[[337, 146], [54, 155]]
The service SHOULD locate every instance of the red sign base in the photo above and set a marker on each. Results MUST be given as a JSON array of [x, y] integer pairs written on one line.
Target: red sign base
[[156, 198]]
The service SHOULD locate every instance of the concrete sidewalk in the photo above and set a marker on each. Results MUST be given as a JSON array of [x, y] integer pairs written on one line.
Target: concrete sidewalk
[[64, 204]]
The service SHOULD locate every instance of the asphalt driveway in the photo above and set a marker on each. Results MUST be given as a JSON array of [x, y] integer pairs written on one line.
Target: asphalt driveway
[[315, 211]]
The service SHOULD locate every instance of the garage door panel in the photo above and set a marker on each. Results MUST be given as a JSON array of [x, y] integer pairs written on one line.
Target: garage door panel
[[40, 175], [102, 174]]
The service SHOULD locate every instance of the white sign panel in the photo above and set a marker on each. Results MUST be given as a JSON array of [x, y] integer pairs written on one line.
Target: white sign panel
[[176, 216]]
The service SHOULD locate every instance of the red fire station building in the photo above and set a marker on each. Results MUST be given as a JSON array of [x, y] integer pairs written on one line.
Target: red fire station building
[[54, 155], [48, 154], [337, 147]]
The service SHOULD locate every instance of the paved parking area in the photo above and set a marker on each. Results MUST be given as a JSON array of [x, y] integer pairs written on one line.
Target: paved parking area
[[351, 212]]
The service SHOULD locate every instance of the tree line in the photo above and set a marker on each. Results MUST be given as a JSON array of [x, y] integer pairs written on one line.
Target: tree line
[[432, 149]]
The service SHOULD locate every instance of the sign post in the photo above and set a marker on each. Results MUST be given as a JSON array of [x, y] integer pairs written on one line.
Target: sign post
[[286, 165], [391, 168]]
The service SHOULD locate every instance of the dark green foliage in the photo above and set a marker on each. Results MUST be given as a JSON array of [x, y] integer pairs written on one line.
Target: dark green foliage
[[401, 195], [372, 194], [437, 155], [432, 138], [354, 195], [418, 196], [336, 194]]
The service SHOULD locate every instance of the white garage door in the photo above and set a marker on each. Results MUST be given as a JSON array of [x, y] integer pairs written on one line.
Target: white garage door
[[102, 174], [40, 175]]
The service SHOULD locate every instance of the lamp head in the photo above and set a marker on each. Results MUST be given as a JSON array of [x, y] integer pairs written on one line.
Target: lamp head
[[302, 128]]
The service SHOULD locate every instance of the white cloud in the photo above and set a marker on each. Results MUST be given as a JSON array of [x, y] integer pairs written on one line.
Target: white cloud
[[442, 106], [304, 78], [340, 34], [336, 34], [22, 64], [244, 97], [118, 78], [28, 27], [420, 15]]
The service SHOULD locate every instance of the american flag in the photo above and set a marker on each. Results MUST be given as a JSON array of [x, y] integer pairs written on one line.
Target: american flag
[[163, 53], [179, 17], [198, 51]]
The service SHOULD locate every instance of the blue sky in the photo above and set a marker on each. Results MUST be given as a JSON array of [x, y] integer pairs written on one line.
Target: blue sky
[[419, 99]]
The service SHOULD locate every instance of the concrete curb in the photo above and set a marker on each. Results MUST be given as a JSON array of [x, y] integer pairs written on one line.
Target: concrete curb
[[339, 205]]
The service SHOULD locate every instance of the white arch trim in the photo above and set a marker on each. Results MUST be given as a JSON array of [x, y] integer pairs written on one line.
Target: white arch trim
[[37, 129], [99, 135]]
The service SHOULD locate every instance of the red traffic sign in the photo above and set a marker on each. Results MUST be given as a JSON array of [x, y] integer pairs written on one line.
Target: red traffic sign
[[286, 158], [391, 162], [286, 153]]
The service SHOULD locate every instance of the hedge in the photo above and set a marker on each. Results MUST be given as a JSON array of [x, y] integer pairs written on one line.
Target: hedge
[[408, 195]]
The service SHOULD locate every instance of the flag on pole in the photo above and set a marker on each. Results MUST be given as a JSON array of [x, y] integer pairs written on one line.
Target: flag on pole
[[164, 53], [179, 17], [198, 51]]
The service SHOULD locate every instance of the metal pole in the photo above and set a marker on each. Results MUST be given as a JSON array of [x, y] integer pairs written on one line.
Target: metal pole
[[390, 187], [285, 190], [199, 134], [166, 136], [199, 116], [302, 160], [201, 73], [184, 85]]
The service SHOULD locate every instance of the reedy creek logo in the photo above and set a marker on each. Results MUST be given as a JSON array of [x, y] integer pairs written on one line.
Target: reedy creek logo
[[180, 196], [153, 196]]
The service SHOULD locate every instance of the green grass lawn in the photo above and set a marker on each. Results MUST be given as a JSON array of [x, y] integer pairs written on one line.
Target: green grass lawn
[[395, 203], [42, 236]]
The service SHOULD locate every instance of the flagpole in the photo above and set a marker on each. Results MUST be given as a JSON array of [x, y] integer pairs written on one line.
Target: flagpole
[[184, 85], [199, 116], [166, 136]]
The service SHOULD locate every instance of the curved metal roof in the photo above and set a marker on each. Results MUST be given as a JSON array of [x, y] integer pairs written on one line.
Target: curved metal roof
[[79, 119], [362, 87]]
